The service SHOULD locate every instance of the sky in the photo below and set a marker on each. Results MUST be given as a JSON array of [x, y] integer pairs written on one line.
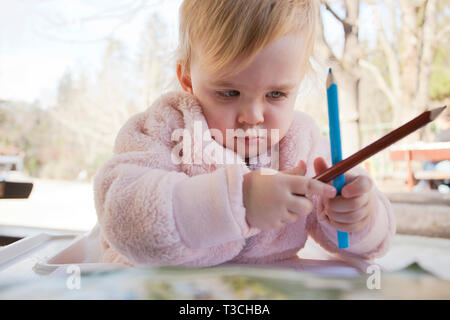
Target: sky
[[41, 39], [35, 52]]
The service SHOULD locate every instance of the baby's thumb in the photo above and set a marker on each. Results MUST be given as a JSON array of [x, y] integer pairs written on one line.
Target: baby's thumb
[[320, 165], [300, 170]]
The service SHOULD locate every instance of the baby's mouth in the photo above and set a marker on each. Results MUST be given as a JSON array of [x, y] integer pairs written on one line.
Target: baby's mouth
[[249, 140]]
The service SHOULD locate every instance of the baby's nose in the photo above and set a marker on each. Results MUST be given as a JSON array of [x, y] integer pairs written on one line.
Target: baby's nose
[[252, 116]]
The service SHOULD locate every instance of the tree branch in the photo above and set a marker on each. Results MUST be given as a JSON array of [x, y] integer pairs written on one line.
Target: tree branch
[[391, 5], [428, 50], [52, 25], [380, 81], [389, 52], [324, 43], [410, 48], [345, 24]]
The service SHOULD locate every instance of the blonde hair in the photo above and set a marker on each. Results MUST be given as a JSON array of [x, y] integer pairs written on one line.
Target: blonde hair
[[228, 30]]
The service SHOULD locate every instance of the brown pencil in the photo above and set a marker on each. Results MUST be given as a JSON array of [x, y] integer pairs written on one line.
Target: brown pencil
[[382, 143]]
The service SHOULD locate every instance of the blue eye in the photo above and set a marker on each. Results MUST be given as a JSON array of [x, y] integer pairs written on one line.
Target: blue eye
[[276, 94], [228, 93]]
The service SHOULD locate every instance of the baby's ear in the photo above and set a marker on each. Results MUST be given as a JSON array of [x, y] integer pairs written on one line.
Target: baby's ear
[[184, 78]]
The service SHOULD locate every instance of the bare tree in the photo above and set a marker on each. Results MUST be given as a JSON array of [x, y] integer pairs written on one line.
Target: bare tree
[[154, 65], [347, 73], [409, 52], [409, 56]]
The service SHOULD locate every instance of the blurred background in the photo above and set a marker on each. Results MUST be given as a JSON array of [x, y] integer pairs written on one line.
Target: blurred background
[[72, 72]]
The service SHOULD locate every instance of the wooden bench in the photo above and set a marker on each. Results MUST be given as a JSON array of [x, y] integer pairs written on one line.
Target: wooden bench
[[431, 175], [435, 151], [15, 190]]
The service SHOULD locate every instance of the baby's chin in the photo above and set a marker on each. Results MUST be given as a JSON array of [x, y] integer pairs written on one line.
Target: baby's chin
[[247, 152]]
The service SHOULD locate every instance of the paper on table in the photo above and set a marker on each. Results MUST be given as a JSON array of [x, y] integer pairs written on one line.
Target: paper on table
[[431, 254]]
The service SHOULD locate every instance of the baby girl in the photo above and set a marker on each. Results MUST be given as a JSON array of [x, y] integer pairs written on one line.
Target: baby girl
[[240, 65]]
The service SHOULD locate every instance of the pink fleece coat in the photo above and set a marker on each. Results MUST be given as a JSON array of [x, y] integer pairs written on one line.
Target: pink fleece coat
[[153, 211]]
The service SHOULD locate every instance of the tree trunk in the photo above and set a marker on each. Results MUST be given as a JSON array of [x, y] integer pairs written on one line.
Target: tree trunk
[[348, 78], [349, 112]]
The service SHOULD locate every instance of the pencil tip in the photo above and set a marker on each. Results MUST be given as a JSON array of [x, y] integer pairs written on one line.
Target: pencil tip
[[435, 112], [330, 78]]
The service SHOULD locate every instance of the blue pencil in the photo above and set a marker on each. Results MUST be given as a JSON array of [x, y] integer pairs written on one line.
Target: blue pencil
[[335, 143]]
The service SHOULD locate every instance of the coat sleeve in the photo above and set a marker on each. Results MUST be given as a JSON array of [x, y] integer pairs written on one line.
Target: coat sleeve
[[371, 242], [161, 217]]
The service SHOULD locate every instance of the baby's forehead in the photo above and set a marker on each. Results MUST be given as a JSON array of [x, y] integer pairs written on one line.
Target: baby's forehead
[[279, 65], [289, 50]]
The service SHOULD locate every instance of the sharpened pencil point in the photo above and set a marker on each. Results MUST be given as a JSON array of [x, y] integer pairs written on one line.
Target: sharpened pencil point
[[435, 112], [330, 78]]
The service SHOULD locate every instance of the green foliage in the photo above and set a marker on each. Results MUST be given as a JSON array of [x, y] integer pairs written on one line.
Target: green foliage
[[440, 76]]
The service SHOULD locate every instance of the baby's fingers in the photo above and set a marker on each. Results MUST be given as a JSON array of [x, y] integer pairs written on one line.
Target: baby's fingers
[[290, 217], [300, 205], [307, 186], [320, 165], [300, 170], [357, 186], [341, 204], [347, 217], [348, 227]]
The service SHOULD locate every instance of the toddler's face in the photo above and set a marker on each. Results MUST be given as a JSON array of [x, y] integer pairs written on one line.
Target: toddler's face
[[261, 96]]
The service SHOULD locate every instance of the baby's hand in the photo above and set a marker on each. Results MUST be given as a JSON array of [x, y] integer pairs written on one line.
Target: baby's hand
[[353, 209], [273, 200]]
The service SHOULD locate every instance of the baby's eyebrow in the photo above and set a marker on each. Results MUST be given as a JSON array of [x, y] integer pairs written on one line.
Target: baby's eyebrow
[[222, 83], [281, 86]]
